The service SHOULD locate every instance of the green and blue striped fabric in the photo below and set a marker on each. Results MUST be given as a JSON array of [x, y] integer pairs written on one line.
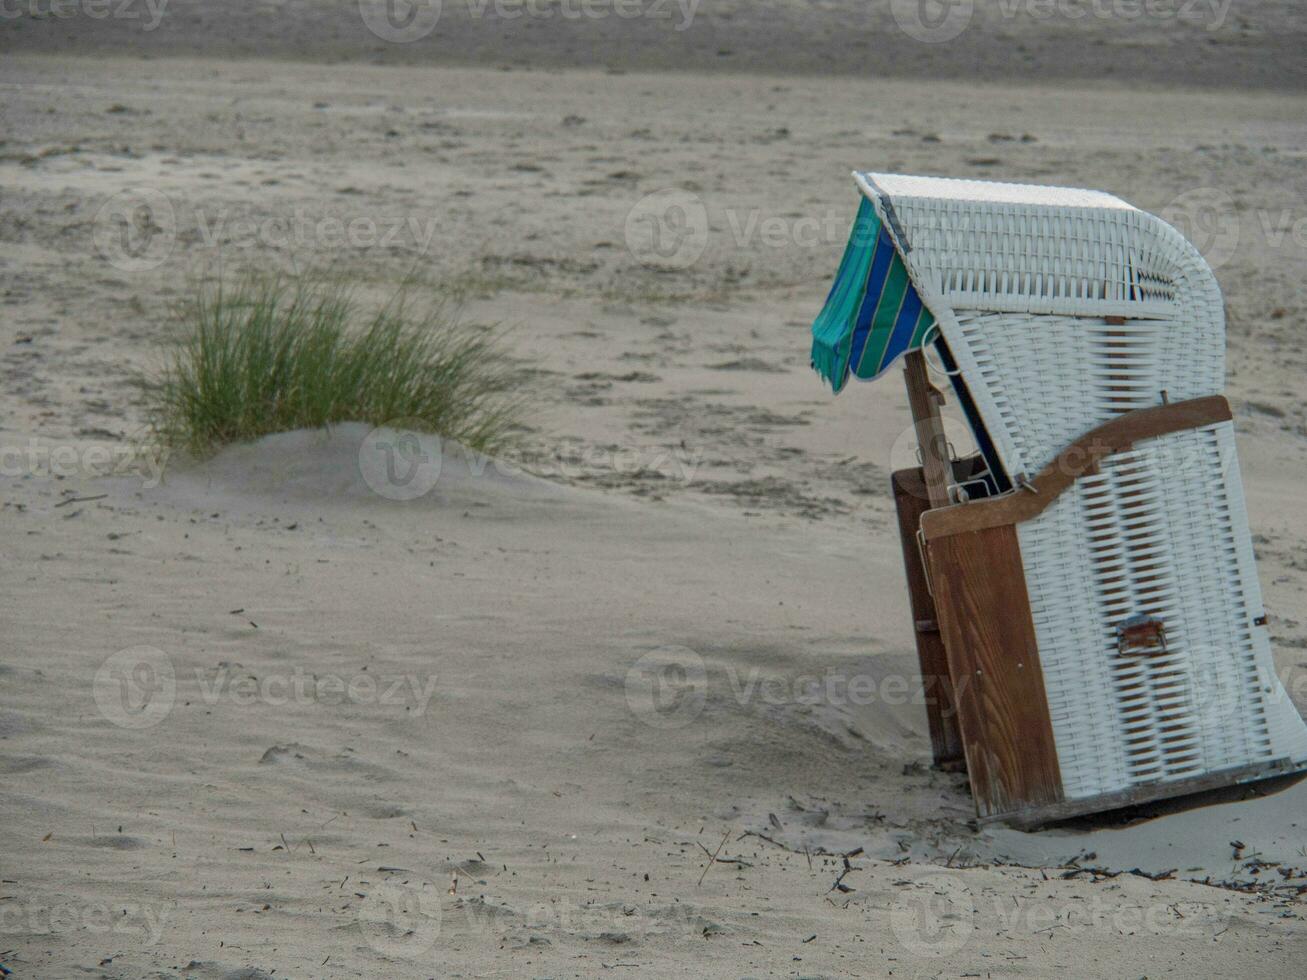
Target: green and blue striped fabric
[[872, 313]]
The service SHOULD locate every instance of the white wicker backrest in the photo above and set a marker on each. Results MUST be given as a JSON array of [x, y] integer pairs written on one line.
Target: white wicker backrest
[[1022, 280]]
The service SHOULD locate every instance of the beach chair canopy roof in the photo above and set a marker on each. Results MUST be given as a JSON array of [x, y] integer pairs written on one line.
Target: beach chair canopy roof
[[924, 250], [873, 312]]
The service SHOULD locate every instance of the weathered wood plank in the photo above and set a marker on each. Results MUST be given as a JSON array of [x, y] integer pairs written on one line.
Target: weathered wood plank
[[989, 638], [924, 400], [910, 500]]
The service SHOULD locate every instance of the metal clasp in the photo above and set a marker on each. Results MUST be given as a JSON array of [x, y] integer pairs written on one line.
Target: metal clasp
[[1141, 634]]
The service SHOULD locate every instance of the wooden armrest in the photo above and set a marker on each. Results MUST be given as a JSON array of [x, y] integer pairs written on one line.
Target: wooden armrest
[[1076, 460]]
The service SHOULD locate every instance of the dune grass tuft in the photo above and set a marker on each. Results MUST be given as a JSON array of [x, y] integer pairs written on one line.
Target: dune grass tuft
[[268, 354]]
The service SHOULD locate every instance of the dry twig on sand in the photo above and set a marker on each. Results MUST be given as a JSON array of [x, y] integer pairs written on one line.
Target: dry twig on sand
[[712, 858]]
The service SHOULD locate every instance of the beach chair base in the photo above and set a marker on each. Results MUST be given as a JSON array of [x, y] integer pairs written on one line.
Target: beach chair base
[[1032, 818], [988, 700]]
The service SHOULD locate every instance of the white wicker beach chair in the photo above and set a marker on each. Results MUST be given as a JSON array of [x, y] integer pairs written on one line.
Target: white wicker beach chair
[[1085, 339]]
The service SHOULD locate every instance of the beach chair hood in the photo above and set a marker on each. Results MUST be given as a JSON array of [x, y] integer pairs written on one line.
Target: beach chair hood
[[976, 262]]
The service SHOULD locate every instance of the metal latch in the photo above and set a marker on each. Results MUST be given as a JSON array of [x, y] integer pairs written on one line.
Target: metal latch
[[1141, 634]]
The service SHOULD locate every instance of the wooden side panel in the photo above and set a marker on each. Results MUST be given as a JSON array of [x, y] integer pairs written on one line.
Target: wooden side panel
[[910, 500], [989, 637]]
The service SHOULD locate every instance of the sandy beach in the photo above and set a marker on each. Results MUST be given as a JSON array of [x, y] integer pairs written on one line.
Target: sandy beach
[[425, 732]]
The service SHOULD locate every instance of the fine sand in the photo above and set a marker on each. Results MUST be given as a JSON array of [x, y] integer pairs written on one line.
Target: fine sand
[[260, 717], [1219, 44]]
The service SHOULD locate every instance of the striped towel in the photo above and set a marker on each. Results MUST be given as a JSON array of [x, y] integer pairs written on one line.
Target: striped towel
[[872, 314]]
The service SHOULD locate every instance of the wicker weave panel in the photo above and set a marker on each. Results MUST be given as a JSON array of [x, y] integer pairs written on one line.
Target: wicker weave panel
[[1049, 379], [1158, 531]]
